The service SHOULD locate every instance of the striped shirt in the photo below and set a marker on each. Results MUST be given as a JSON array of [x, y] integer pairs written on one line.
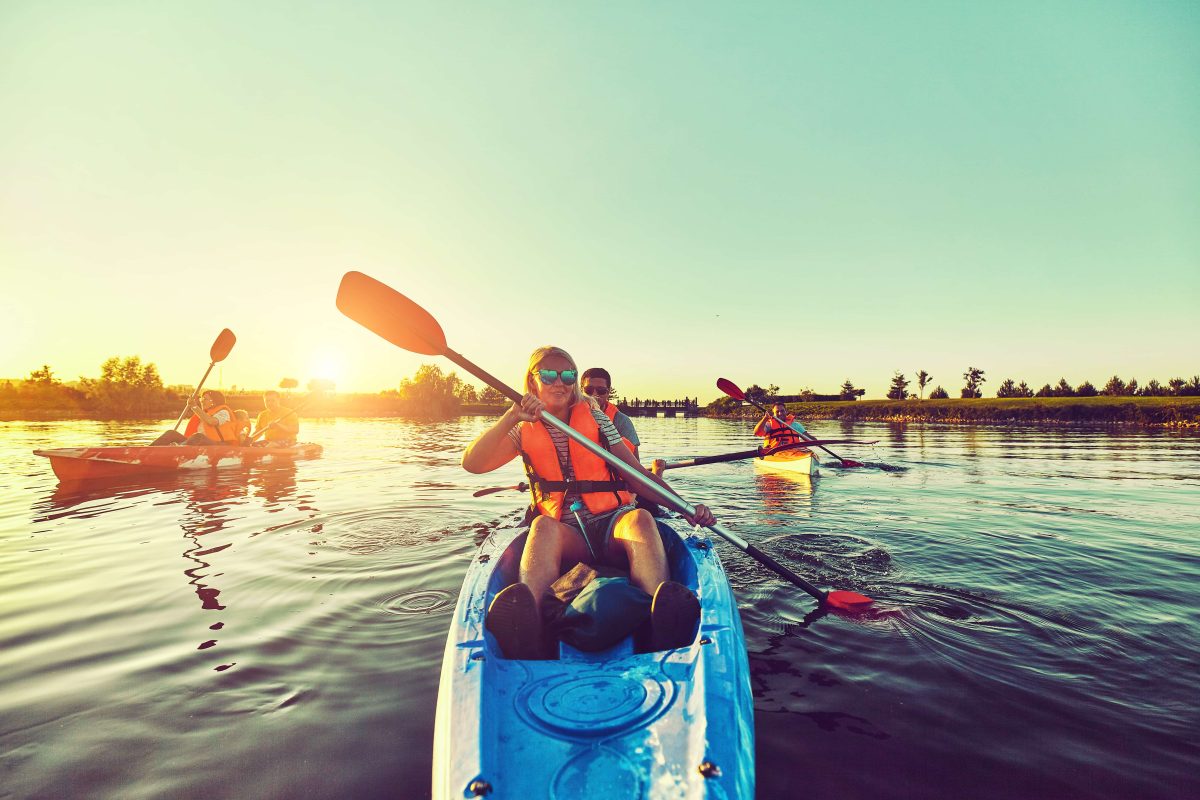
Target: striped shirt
[[561, 440]]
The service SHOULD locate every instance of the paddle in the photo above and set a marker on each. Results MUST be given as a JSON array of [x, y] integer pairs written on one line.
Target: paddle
[[295, 411], [384, 311], [730, 388], [759, 452], [218, 352], [520, 487]]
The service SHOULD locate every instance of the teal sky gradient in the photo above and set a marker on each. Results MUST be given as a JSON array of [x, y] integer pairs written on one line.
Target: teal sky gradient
[[790, 193]]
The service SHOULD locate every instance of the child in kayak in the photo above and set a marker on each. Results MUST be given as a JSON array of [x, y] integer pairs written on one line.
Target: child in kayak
[[584, 511]]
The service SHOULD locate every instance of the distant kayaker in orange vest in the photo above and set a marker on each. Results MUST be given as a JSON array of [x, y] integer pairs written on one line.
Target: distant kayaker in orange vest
[[217, 422], [778, 435], [584, 513], [597, 384], [280, 422]]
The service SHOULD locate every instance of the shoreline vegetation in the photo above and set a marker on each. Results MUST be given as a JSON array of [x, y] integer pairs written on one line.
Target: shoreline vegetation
[[128, 389]]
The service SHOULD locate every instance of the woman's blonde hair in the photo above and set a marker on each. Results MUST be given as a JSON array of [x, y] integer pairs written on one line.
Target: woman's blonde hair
[[541, 354]]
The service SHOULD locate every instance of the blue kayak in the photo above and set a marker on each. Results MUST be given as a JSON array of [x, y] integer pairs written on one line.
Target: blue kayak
[[614, 724]]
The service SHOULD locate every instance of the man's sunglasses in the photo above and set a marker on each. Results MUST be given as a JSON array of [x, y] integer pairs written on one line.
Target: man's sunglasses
[[549, 376], [595, 390]]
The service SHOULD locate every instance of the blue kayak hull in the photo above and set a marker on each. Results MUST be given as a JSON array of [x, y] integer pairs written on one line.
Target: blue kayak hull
[[616, 724]]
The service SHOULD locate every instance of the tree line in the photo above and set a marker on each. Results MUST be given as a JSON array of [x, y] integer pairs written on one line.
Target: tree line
[[974, 378]]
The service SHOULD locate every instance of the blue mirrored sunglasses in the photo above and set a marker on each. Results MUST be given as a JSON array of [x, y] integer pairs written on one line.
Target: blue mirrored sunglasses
[[549, 376]]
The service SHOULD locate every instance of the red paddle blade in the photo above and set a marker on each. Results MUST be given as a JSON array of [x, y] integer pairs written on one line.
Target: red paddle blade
[[221, 346], [382, 310], [730, 388], [848, 601]]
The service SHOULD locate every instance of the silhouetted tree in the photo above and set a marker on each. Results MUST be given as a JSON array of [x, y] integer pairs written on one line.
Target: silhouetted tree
[[1114, 388], [492, 397], [974, 378], [288, 383], [1045, 391], [126, 387], [42, 376], [939, 394], [899, 387], [1064, 389], [923, 379], [1023, 390], [430, 392], [848, 391], [1007, 389], [1086, 389]]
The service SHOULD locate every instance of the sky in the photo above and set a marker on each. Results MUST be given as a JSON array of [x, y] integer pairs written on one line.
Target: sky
[[794, 193]]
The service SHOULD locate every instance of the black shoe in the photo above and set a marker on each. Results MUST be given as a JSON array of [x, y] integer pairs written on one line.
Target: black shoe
[[513, 619], [674, 616]]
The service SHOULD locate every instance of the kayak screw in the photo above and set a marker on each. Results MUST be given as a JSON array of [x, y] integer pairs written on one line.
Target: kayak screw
[[479, 787], [705, 640], [701, 545], [709, 770], [483, 559], [477, 657]]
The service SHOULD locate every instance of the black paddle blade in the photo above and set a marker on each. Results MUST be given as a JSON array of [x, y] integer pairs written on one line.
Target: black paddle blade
[[730, 388], [381, 309], [221, 346]]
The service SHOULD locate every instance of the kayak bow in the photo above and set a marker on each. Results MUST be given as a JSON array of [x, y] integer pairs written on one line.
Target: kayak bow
[[671, 724]]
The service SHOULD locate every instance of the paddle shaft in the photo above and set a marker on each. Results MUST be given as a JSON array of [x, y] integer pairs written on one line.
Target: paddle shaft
[[760, 452], [194, 395], [655, 490]]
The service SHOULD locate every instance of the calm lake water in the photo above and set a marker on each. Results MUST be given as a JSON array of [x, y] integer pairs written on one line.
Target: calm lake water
[[278, 632]]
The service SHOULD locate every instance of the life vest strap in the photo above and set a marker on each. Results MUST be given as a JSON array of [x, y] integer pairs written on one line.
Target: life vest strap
[[579, 487]]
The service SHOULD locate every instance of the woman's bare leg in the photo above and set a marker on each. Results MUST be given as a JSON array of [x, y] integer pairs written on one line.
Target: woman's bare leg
[[549, 546], [638, 535]]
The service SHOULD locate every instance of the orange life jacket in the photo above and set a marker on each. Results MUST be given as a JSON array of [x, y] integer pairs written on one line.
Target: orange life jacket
[[780, 435], [596, 484], [226, 433], [192, 426]]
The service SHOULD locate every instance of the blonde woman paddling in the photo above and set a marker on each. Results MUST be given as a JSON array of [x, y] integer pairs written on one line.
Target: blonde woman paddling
[[584, 511]]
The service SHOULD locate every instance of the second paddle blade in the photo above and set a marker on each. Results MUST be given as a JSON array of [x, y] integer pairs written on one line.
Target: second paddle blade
[[221, 346], [730, 388], [848, 601], [381, 309]]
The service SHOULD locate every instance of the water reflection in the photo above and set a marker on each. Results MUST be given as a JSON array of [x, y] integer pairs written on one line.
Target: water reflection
[[784, 494]]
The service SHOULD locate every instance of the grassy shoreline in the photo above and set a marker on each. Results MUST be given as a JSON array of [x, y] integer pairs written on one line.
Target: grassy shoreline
[[1165, 412], [1172, 412]]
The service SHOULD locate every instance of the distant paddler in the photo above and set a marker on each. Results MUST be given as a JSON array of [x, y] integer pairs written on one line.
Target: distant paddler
[[776, 433], [277, 424]]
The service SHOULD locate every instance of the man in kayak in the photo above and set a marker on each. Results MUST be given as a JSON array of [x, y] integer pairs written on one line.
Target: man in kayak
[[280, 422], [597, 384], [778, 435], [217, 422], [584, 511]]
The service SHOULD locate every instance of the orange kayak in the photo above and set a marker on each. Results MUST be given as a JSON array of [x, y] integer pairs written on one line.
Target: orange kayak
[[88, 463]]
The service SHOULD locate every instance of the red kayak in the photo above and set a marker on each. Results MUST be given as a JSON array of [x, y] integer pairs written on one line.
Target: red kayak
[[87, 463]]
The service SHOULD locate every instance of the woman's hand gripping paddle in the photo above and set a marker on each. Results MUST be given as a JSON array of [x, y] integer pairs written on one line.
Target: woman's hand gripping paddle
[[384, 311], [730, 388]]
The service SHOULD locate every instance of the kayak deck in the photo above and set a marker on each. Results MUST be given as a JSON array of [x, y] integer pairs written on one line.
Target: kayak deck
[[89, 463], [670, 724], [798, 459]]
